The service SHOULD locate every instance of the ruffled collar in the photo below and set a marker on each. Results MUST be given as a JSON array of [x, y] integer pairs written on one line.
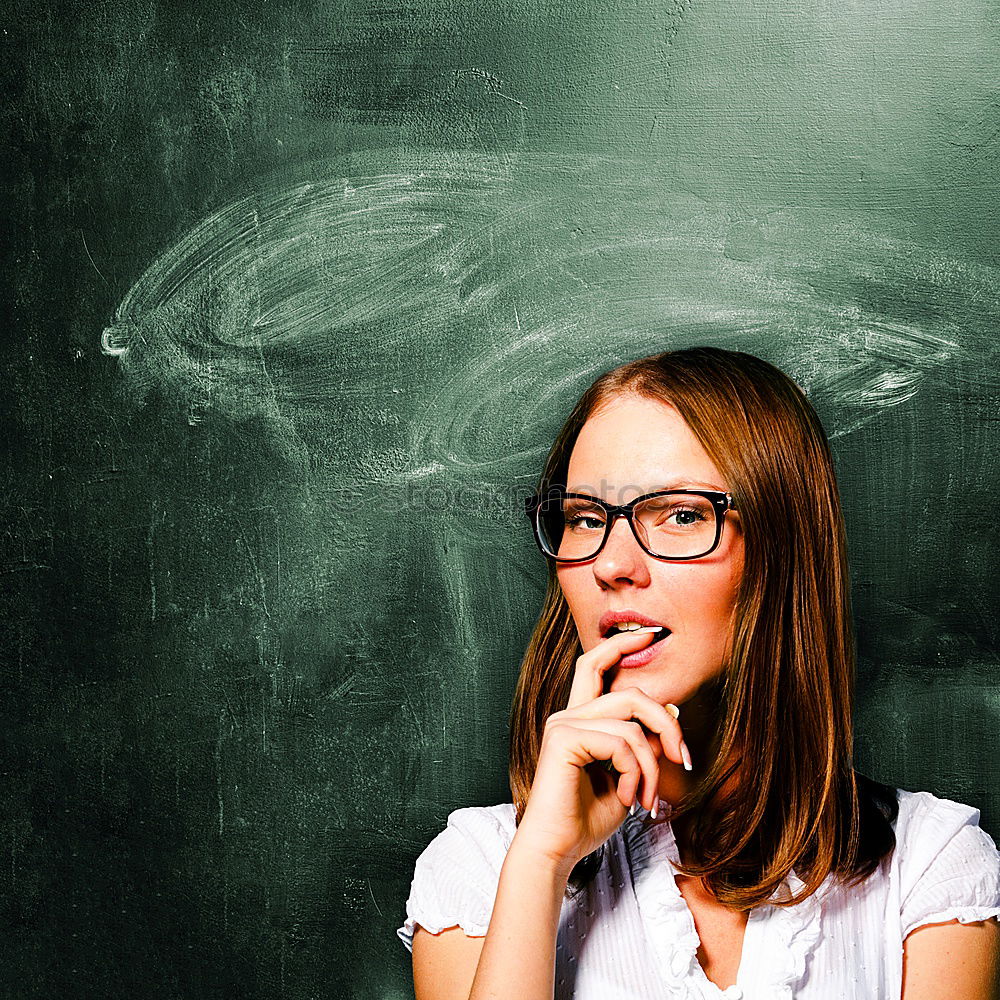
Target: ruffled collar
[[778, 940]]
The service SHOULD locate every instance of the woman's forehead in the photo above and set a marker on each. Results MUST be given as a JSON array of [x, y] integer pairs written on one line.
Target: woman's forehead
[[638, 445]]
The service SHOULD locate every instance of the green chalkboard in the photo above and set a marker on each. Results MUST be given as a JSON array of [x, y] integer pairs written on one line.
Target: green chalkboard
[[299, 296]]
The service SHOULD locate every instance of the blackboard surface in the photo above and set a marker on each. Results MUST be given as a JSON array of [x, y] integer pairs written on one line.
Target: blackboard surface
[[298, 296]]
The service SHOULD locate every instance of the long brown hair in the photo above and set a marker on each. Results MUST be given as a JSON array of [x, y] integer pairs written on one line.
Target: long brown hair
[[788, 684]]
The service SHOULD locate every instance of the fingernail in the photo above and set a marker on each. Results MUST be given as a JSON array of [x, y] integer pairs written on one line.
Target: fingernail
[[652, 812], [631, 808], [645, 629], [685, 756], [673, 710]]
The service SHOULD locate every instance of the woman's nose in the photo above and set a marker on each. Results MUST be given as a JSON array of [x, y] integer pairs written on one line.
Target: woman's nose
[[622, 559]]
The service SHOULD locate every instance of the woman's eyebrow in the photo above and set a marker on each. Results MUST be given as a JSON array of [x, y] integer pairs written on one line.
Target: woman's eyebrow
[[679, 484], [674, 484]]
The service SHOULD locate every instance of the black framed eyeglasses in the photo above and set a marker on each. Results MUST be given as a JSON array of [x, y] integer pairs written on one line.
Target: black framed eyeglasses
[[668, 524]]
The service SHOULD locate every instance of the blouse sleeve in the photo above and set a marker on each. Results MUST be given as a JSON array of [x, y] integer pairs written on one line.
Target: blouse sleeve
[[953, 868], [455, 878]]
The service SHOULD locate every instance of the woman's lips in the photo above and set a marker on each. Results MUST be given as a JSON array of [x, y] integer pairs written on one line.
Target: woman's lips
[[643, 656]]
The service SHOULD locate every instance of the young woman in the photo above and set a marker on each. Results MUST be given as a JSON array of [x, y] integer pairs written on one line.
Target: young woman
[[686, 819]]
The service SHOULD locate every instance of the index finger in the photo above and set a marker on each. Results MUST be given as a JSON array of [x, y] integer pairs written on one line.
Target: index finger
[[588, 679], [660, 721]]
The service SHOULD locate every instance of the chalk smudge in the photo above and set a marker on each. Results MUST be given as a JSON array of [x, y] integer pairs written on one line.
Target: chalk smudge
[[413, 340]]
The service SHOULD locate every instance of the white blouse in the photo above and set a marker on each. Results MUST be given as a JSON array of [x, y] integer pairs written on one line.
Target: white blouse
[[630, 934]]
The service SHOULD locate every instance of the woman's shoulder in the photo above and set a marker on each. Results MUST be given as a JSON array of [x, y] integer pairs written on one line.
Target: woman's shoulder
[[929, 824], [921, 803], [945, 864], [483, 833], [491, 821], [926, 821], [500, 815], [456, 875]]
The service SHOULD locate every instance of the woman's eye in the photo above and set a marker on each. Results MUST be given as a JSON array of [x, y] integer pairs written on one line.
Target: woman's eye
[[679, 517], [686, 516], [585, 522]]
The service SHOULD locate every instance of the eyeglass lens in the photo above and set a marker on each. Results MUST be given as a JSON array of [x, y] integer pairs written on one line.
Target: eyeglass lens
[[680, 526]]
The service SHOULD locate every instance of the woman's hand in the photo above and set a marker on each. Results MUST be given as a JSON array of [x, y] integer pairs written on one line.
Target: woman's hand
[[575, 803]]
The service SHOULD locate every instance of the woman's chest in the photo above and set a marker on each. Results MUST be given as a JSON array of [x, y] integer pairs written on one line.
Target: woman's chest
[[644, 934], [721, 932]]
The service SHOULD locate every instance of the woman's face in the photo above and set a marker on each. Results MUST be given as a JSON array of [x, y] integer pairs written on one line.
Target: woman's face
[[632, 446]]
